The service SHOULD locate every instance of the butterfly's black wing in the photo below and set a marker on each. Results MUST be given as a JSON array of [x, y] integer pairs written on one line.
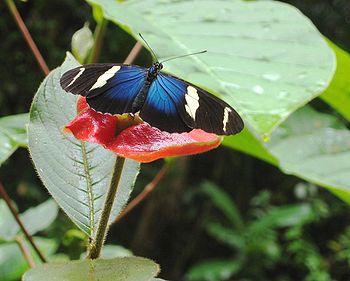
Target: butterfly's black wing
[[175, 105], [213, 114], [172, 105], [108, 88]]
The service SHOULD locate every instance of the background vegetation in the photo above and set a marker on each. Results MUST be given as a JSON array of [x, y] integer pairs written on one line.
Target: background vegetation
[[215, 216]]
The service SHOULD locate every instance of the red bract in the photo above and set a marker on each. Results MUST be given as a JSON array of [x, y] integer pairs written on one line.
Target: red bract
[[131, 138]]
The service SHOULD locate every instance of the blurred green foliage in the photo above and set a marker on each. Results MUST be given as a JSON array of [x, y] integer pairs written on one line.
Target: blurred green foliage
[[229, 228], [268, 237]]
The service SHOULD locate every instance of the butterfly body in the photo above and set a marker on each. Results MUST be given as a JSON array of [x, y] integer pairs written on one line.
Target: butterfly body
[[141, 96], [162, 100]]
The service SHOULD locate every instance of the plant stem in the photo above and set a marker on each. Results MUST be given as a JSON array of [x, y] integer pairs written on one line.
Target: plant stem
[[145, 192], [25, 252], [133, 53], [95, 247], [99, 34], [13, 9], [18, 220], [97, 243]]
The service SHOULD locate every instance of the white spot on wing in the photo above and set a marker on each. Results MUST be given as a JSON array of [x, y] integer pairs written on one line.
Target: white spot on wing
[[81, 70], [192, 103], [227, 110], [102, 80]]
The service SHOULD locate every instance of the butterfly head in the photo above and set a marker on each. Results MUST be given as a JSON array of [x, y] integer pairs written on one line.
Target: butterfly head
[[157, 66], [154, 69]]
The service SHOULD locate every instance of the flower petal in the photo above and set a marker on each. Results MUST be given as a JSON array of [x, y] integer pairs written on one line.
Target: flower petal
[[93, 127], [125, 136], [145, 143]]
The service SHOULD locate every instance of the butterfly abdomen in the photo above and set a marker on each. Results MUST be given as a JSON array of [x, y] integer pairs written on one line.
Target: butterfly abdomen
[[141, 97]]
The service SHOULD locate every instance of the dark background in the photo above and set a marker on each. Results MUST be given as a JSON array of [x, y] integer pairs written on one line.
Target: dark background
[[168, 227]]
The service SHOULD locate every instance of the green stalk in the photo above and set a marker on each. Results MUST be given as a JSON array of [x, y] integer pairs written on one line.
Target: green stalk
[[95, 245], [99, 34], [98, 241]]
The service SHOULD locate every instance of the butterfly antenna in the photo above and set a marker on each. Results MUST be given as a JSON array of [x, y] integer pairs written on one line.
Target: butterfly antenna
[[153, 53], [186, 55]]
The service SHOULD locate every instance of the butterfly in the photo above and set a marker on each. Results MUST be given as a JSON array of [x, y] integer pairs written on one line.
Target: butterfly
[[162, 100]]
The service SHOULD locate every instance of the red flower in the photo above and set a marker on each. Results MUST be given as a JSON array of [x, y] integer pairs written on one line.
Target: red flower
[[131, 138]]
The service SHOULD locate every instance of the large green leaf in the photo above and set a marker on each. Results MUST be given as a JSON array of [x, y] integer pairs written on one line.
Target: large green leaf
[[316, 147], [119, 269], [313, 146], [338, 92], [12, 262], [77, 174], [34, 219], [264, 58], [257, 61], [13, 134], [250, 144]]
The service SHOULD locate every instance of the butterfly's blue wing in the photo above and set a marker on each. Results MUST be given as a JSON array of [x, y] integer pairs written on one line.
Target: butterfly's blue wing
[[161, 108], [175, 105], [108, 88]]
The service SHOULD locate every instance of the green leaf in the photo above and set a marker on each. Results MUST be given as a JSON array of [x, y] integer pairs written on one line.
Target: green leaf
[[34, 219], [12, 262], [13, 134], [8, 225], [255, 60], [284, 216], [338, 92], [226, 235], [112, 251], [214, 270], [121, 269], [77, 174], [15, 127], [82, 43], [224, 203], [251, 145], [313, 146], [97, 13], [40, 217]]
